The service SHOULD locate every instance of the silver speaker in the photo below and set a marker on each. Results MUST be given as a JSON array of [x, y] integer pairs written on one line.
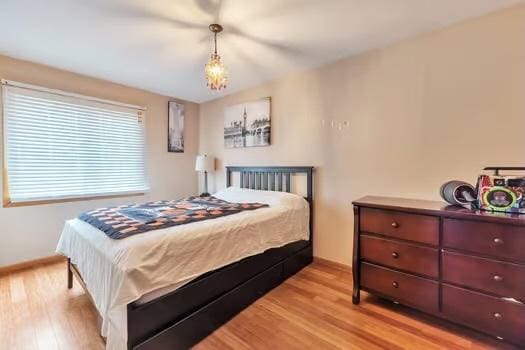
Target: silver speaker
[[458, 193]]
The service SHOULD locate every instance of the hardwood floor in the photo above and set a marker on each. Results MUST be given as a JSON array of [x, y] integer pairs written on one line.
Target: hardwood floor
[[311, 310]]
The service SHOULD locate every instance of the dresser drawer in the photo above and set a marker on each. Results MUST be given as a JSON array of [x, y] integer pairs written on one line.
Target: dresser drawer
[[493, 315], [404, 256], [504, 279], [500, 241], [407, 289], [412, 227]]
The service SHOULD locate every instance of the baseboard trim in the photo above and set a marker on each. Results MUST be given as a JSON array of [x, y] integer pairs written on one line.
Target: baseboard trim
[[60, 258], [31, 263], [333, 264]]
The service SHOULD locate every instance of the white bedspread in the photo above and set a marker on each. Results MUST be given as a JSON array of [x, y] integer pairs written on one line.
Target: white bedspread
[[117, 272]]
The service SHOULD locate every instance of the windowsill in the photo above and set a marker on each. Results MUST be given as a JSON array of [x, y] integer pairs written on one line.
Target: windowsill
[[8, 204]]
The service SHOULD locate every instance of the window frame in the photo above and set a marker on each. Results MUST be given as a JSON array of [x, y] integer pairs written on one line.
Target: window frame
[[6, 198]]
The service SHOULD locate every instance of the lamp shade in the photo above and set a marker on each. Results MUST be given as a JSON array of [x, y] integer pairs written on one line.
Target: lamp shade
[[204, 163]]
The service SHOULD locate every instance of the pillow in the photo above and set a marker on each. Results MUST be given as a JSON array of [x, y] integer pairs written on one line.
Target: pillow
[[272, 198]]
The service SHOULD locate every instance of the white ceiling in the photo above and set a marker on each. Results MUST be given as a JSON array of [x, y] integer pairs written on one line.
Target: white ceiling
[[162, 45]]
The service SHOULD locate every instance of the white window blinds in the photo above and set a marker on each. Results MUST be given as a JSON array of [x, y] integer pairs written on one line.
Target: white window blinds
[[59, 145]]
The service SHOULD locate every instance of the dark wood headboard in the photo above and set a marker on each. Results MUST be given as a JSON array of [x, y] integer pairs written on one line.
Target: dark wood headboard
[[274, 178]]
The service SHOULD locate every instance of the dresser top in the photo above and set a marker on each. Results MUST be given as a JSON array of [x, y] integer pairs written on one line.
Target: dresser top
[[427, 207]]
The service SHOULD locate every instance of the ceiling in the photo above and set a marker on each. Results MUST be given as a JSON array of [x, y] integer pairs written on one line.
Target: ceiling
[[163, 45]]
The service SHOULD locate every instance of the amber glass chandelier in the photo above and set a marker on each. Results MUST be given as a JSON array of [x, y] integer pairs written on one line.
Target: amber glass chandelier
[[216, 72]]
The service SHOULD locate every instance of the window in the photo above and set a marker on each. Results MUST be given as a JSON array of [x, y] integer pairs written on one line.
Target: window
[[59, 145]]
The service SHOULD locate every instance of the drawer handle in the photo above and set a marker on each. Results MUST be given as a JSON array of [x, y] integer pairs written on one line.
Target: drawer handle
[[497, 278], [498, 316], [498, 241], [395, 255], [395, 225], [395, 284]]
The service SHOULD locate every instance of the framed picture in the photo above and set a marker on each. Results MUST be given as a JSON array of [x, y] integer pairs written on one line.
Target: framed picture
[[247, 124], [175, 127]]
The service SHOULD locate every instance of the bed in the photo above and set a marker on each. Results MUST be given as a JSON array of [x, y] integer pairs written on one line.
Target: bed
[[168, 297]]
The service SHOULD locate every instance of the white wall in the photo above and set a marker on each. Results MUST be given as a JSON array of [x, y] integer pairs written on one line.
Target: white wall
[[31, 232], [437, 107], [429, 109]]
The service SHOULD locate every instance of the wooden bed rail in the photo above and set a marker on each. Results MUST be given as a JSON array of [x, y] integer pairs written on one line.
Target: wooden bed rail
[[270, 178]]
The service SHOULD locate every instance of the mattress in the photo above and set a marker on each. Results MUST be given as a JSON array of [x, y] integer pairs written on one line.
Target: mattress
[[148, 265]]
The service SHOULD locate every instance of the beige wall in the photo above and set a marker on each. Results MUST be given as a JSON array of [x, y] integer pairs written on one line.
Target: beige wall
[[426, 110], [33, 231]]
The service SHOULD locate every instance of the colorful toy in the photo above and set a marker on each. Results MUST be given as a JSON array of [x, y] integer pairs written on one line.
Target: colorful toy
[[501, 193]]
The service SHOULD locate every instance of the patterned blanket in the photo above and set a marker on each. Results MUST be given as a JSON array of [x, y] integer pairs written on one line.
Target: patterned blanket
[[127, 220]]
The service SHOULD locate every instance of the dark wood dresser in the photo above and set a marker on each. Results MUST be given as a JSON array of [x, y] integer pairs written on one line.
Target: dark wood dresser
[[464, 266]]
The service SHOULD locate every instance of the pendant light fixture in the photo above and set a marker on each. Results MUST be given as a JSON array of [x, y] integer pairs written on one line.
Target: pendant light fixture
[[216, 72]]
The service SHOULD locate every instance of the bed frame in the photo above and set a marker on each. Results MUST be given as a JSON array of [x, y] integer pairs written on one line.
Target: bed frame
[[180, 319]]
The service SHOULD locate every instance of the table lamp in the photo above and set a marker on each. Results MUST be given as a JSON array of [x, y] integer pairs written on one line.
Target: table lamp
[[205, 164]]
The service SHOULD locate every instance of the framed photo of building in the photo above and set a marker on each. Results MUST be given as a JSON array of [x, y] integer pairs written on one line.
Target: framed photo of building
[[175, 127], [248, 124]]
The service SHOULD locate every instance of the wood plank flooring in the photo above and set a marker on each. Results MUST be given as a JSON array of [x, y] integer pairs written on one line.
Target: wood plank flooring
[[311, 310]]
